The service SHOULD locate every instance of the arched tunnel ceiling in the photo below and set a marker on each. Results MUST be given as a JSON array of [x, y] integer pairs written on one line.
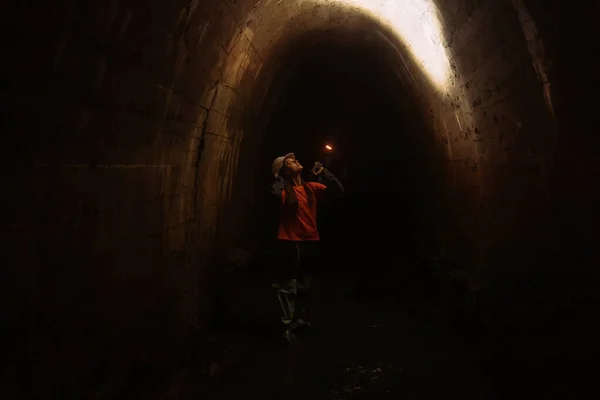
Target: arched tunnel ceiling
[[409, 34], [368, 38], [283, 34], [275, 27], [414, 23]]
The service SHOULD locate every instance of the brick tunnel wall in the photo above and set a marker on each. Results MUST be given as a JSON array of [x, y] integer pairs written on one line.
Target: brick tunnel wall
[[128, 130]]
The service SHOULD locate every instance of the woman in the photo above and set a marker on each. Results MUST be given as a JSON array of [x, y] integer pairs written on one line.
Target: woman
[[297, 231]]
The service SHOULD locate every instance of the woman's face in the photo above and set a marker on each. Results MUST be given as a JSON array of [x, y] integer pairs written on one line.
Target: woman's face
[[292, 166]]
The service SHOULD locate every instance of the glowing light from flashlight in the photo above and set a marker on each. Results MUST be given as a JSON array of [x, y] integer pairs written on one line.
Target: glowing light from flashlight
[[417, 24], [328, 147]]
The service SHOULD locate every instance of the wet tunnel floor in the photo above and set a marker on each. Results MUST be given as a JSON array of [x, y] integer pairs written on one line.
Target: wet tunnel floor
[[360, 347]]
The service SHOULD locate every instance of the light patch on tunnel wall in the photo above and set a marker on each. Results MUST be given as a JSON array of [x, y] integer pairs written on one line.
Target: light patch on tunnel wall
[[238, 58], [417, 24]]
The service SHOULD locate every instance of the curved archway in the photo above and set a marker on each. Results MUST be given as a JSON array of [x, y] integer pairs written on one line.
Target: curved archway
[[385, 67]]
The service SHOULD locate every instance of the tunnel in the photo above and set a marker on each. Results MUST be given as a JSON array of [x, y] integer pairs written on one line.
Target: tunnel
[[139, 225], [345, 93]]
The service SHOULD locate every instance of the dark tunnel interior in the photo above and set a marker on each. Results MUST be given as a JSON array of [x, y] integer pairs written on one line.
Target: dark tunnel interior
[[347, 96], [461, 262]]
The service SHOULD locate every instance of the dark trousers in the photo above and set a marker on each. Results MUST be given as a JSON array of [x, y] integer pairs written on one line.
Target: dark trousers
[[298, 259], [297, 264]]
